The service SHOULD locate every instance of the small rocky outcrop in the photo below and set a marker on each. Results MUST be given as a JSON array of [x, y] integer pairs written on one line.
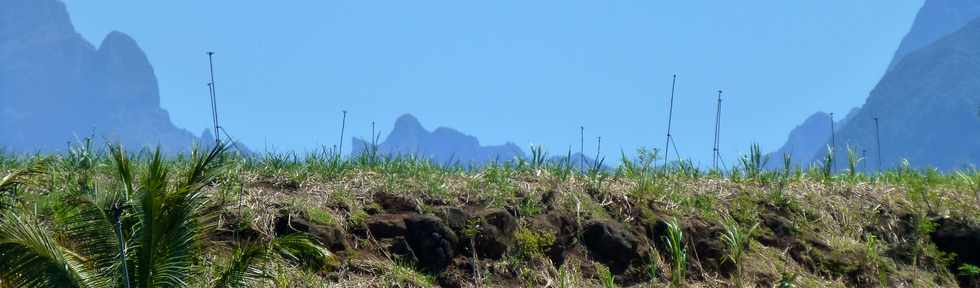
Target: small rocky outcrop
[[432, 243], [614, 246], [495, 233]]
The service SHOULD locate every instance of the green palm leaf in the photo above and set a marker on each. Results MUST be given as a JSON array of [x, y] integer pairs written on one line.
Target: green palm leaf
[[31, 258]]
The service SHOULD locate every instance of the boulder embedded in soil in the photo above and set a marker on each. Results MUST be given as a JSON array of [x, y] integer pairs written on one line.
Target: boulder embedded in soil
[[613, 245], [387, 225], [432, 243], [961, 238], [495, 235], [394, 203]]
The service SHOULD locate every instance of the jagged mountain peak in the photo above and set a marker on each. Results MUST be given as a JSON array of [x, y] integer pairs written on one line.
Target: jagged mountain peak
[[935, 20], [109, 93], [20, 19], [408, 122], [442, 145], [927, 108]]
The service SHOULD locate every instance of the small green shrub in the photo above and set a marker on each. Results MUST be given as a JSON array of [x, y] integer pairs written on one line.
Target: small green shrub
[[605, 276], [531, 243], [968, 270], [320, 216]]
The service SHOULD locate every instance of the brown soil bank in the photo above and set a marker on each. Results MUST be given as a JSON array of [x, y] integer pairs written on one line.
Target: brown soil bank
[[539, 229]]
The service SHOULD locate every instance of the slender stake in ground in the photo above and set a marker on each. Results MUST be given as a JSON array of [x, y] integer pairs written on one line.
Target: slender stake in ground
[[670, 116], [214, 101], [581, 150], [343, 124], [878, 143], [117, 214], [716, 153]]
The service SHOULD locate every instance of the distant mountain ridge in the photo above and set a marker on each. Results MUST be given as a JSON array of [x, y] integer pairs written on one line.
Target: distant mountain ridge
[[927, 106], [56, 87], [936, 19], [442, 145], [923, 98]]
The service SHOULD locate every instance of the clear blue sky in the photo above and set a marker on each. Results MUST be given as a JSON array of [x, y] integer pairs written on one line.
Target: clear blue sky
[[519, 71]]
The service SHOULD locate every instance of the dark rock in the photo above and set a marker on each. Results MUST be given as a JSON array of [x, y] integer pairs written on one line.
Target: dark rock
[[705, 239], [496, 233], [452, 279], [613, 245], [777, 231], [431, 241], [394, 203], [387, 225], [454, 217], [331, 236], [961, 238], [565, 229]]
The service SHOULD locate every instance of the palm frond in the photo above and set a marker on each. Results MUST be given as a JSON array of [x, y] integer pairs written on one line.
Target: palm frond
[[31, 258], [245, 268], [88, 222], [17, 177], [123, 169], [303, 248], [149, 230]]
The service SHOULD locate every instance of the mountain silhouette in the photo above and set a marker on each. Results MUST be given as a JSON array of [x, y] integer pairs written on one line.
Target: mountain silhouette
[[442, 145], [923, 98], [56, 87], [936, 19], [927, 107]]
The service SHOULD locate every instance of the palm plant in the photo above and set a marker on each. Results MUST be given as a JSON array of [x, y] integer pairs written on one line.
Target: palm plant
[[678, 253], [852, 162], [827, 167], [150, 232], [737, 240], [754, 162], [13, 179]]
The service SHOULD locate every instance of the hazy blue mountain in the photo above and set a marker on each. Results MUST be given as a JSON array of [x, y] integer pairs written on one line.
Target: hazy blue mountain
[[442, 145], [927, 105], [935, 21], [56, 87], [936, 18], [808, 138], [804, 141]]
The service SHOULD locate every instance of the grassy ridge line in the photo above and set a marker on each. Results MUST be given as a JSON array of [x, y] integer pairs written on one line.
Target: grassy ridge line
[[319, 183]]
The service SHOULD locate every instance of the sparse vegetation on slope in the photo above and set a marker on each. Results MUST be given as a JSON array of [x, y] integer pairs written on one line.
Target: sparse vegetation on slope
[[319, 221]]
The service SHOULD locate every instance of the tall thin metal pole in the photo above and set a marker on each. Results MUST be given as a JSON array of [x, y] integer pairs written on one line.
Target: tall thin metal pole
[[716, 152], [581, 150], [670, 117], [214, 101], [343, 125], [117, 212], [878, 143], [833, 141]]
